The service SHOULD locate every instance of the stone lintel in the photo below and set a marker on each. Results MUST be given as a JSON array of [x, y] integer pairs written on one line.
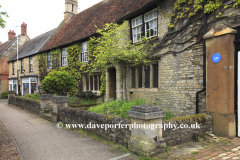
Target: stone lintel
[[146, 108], [46, 97], [60, 99], [147, 116]]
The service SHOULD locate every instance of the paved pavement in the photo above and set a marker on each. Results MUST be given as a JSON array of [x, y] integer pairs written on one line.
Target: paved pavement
[[38, 139]]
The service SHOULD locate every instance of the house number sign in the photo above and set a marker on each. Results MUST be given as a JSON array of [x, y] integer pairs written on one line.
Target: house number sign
[[216, 57]]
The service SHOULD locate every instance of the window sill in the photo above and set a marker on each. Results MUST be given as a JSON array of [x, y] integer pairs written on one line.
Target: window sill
[[144, 89], [150, 39]]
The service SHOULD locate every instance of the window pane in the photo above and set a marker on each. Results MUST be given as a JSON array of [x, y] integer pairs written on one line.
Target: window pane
[[133, 77], [87, 83], [96, 83], [147, 76], [155, 75], [91, 83], [140, 77]]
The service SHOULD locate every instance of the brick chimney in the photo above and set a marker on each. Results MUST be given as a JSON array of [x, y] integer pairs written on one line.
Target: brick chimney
[[11, 35], [24, 29], [71, 8], [0, 42]]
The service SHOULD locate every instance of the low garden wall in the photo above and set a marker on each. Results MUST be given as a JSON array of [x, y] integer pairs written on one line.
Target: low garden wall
[[79, 116], [25, 104], [68, 115], [185, 134]]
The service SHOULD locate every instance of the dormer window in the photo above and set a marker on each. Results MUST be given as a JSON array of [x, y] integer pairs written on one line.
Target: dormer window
[[145, 25]]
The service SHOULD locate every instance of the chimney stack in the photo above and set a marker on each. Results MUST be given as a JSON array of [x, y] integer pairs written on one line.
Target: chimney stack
[[0, 42], [24, 29], [71, 8], [11, 35]]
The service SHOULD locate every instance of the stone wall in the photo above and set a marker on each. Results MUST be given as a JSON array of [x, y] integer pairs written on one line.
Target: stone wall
[[78, 116], [183, 135], [179, 78], [26, 104]]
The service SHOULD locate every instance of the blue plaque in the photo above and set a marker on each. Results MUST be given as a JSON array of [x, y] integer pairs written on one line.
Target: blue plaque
[[216, 57]]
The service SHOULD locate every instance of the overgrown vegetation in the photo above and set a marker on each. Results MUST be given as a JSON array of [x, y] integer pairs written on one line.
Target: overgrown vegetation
[[120, 108], [35, 96], [4, 95]]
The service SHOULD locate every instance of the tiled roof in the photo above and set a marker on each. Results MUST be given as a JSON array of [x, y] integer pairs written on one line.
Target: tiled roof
[[33, 46], [6, 45], [82, 25]]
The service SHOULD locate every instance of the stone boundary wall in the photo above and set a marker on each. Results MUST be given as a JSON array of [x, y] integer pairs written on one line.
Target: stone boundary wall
[[122, 135], [183, 135], [25, 104], [79, 116]]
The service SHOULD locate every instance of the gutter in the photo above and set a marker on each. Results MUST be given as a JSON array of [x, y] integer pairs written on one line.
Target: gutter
[[204, 61]]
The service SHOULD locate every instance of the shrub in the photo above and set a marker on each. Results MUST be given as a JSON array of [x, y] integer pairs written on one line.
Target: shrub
[[4, 95], [58, 82], [87, 95], [19, 93]]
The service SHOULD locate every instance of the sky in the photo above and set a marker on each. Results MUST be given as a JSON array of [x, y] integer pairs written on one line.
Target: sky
[[40, 16]]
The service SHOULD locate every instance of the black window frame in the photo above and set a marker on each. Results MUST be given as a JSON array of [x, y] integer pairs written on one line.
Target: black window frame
[[140, 77], [13, 68], [22, 66], [147, 76], [155, 75], [133, 77]]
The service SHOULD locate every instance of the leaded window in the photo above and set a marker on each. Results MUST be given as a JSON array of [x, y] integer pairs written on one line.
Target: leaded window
[[155, 75], [147, 76], [137, 29]]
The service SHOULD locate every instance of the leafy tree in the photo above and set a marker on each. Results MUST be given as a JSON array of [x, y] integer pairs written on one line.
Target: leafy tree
[[2, 21], [58, 82]]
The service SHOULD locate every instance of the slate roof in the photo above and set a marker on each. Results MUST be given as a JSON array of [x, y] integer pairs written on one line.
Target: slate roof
[[33, 46], [6, 45], [82, 25]]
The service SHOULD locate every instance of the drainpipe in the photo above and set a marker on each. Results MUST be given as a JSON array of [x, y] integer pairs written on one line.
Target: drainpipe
[[204, 61]]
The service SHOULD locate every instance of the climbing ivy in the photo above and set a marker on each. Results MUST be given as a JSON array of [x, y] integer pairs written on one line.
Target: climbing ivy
[[112, 47], [55, 55], [74, 67], [189, 8], [42, 66]]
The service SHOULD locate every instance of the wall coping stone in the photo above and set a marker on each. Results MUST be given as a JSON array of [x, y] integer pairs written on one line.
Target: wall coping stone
[[146, 116], [146, 108], [46, 97], [221, 30], [60, 99]]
